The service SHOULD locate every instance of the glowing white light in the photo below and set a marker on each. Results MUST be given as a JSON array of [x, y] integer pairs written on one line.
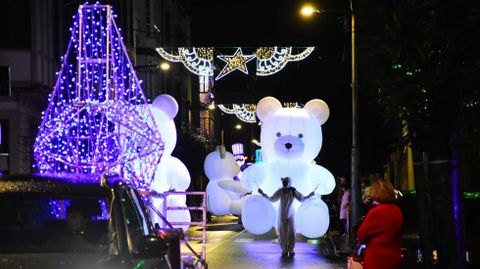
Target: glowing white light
[[229, 109], [198, 60], [291, 138], [308, 10], [165, 66], [246, 112], [270, 60], [170, 173], [224, 194]]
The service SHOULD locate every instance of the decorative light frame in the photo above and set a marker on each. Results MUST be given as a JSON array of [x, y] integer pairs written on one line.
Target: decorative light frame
[[270, 60], [98, 120], [198, 60]]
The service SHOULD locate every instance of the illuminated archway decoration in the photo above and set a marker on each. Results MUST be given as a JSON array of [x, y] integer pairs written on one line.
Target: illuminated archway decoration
[[270, 60], [198, 60], [237, 61], [97, 120], [228, 108], [246, 112]]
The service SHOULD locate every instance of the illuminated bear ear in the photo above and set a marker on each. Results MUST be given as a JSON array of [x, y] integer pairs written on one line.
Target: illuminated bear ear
[[267, 106], [167, 104], [319, 109]]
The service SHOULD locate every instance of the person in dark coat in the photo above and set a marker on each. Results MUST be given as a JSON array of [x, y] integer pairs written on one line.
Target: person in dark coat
[[381, 230]]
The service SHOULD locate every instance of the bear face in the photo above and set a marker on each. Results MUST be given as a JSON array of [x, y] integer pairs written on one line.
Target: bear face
[[291, 133]]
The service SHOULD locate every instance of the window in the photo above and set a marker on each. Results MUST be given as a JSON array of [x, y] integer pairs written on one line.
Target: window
[[15, 20], [135, 219], [5, 85], [4, 146]]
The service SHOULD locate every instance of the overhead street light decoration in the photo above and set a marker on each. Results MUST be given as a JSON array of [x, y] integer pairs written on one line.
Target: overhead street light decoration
[[197, 60], [200, 61], [246, 112]]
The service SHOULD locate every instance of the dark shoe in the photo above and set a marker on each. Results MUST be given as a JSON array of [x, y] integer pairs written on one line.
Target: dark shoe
[[284, 254], [291, 254]]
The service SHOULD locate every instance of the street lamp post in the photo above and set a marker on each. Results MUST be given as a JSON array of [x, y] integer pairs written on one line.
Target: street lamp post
[[355, 157], [308, 10]]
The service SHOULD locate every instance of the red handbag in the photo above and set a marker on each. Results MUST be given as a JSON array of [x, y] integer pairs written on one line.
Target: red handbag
[[353, 264], [355, 261]]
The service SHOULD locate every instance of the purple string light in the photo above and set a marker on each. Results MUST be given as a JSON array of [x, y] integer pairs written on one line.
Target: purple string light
[[98, 120]]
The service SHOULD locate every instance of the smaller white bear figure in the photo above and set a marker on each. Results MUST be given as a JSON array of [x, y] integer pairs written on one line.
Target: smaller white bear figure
[[291, 138], [171, 173], [224, 194]]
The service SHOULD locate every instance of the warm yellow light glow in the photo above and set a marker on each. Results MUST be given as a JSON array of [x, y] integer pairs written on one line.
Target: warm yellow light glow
[[255, 141], [211, 106], [238, 126], [307, 10], [164, 66]]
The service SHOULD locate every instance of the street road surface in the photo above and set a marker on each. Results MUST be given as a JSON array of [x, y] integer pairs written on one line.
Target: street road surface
[[230, 246]]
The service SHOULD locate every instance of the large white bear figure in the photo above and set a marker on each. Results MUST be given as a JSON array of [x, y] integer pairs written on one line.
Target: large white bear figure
[[291, 138], [224, 194], [171, 173]]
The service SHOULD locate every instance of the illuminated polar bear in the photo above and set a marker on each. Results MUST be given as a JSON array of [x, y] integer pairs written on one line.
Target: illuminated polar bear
[[224, 194], [170, 173], [291, 138]]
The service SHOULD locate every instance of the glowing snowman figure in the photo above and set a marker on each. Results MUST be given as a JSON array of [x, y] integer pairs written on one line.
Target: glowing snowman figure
[[291, 138]]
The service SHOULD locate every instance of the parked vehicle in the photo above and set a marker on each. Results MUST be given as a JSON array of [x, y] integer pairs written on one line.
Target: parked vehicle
[[41, 225]]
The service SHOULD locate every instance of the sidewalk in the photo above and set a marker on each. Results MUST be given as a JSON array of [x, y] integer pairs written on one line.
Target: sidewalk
[[333, 245]]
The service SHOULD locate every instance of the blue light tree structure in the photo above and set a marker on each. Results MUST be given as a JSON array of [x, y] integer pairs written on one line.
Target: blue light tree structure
[[98, 120]]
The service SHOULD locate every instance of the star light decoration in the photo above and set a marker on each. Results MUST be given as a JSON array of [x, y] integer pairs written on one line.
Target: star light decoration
[[98, 120], [237, 61]]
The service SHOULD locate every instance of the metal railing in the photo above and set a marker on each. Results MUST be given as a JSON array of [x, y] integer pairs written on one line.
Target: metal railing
[[202, 256]]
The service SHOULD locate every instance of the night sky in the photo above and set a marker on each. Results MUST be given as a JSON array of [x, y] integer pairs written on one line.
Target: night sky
[[325, 74]]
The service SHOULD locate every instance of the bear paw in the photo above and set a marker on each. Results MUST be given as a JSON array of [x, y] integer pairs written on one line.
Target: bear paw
[[312, 218], [258, 214]]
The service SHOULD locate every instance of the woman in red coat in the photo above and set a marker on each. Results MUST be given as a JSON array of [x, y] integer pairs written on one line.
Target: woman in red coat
[[381, 231]]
